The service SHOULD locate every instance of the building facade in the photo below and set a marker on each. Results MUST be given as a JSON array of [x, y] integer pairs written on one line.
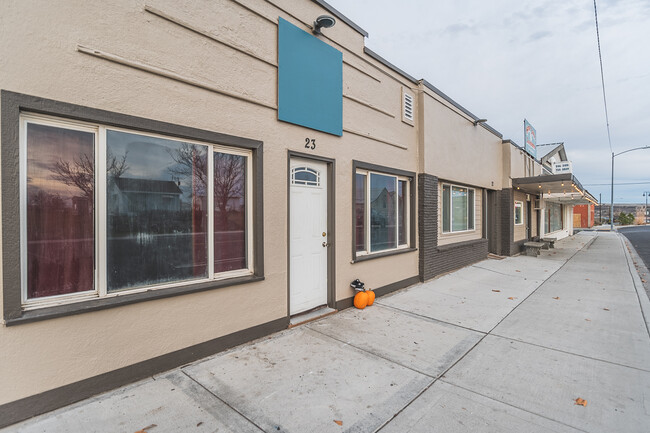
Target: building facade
[[202, 173]]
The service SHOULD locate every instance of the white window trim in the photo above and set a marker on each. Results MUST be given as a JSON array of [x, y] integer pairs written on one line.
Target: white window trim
[[521, 209], [367, 212], [100, 272], [451, 211]]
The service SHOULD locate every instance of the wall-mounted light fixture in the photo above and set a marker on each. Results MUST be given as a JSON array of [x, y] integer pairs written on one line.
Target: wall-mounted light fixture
[[323, 21], [477, 121]]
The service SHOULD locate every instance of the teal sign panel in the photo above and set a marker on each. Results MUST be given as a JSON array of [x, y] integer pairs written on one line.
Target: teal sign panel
[[310, 81]]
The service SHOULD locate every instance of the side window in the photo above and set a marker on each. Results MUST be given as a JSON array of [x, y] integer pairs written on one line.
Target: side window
[[519, 213], [381, 212], [457, 208]]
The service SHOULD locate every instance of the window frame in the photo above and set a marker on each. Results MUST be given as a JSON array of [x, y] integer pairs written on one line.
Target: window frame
[[519, 204], [451, 230], [359, 167], [17, 110]]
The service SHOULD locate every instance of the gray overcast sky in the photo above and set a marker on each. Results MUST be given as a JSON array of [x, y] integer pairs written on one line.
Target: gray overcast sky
[[507, 60]]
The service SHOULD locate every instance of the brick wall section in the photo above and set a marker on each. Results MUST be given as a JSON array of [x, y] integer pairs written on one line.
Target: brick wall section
[[455, 256], [505, 222], [434, 259], [427, 223]]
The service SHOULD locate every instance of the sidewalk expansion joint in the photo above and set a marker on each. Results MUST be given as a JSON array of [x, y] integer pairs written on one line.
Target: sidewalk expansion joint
[[431, 319], [347, 343], [513, 406], [221, 400], [570, 353]]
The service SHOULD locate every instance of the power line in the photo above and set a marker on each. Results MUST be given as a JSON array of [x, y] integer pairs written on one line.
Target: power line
[[602, 78]]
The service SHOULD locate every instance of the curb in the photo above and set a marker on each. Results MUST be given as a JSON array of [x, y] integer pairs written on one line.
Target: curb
[[644, 301]]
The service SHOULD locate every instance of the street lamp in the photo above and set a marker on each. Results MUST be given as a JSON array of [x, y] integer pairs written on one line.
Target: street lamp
[[611, 207]]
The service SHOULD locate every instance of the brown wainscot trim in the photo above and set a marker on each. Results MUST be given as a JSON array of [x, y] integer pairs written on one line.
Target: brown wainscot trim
[[19, 410], [125, 299], [381, 291]]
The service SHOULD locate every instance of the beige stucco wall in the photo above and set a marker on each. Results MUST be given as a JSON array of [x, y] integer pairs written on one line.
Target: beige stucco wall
[[39, 56], [453, 148], [520, 229], [522, 164], [477, 233]]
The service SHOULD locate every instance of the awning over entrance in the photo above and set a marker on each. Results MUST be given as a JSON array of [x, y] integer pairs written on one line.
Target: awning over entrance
[[562, 188]]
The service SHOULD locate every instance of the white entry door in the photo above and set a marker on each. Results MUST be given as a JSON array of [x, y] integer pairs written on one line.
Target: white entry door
[[308, 233]]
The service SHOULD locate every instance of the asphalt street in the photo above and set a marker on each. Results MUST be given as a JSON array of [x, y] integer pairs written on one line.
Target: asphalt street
[[639, 236]]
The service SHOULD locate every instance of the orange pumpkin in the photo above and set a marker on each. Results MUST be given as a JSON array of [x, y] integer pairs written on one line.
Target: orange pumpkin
[[371, 297], [361, 300]]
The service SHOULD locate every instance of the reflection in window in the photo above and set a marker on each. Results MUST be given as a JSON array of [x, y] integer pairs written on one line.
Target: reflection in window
[[383, 208], [457, 208], [60, 215], [554, 221], [519, 207], [401, 211], [360, 211], [157, 202], [229, 212]]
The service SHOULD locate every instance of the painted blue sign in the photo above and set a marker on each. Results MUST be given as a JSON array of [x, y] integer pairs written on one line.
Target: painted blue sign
[[310, 80], [530, 138]]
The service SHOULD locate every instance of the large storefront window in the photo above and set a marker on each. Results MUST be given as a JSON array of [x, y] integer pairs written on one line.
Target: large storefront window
[[164, 211], [553, 217], [381, 211]]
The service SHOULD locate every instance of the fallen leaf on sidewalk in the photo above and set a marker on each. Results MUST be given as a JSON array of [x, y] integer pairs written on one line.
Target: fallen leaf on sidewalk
[[606, 309], [517, 270], [494, 290], [144, 430], [642, 280], [556, 297], [581, 402], [512, 298], [586, 279], [338, 422], [588, 320]]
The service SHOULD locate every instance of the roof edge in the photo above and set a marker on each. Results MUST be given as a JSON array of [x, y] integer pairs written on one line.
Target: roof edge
[[444, 96], [340, 16], [385, 62]]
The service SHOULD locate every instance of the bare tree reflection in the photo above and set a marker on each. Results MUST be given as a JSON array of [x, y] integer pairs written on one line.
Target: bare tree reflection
[[80, 172]]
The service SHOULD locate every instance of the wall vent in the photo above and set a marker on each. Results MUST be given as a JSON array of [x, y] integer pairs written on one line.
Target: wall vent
[[408, 107]]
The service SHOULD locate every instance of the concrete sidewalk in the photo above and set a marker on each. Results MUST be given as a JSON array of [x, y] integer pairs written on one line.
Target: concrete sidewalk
[[501, 346]]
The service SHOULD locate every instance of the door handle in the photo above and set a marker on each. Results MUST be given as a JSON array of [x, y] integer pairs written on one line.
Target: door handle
[[326, 244]]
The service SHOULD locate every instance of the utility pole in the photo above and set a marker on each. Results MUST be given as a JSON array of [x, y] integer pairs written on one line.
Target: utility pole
[[645, 219]]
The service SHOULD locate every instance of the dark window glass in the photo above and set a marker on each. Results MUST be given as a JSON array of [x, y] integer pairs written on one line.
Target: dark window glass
[[60, 211], [229, 212], [459, 209], [553, 217], [401, 216], [446, 210], [470, 209], [360, 211], [156, 205], [383, 208]]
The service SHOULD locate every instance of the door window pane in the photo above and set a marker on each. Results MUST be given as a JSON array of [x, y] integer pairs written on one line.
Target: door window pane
[[229, 212], [401, 216], [156, 205], [383, 209], [60, 211], [459, 208], [360, 211]]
